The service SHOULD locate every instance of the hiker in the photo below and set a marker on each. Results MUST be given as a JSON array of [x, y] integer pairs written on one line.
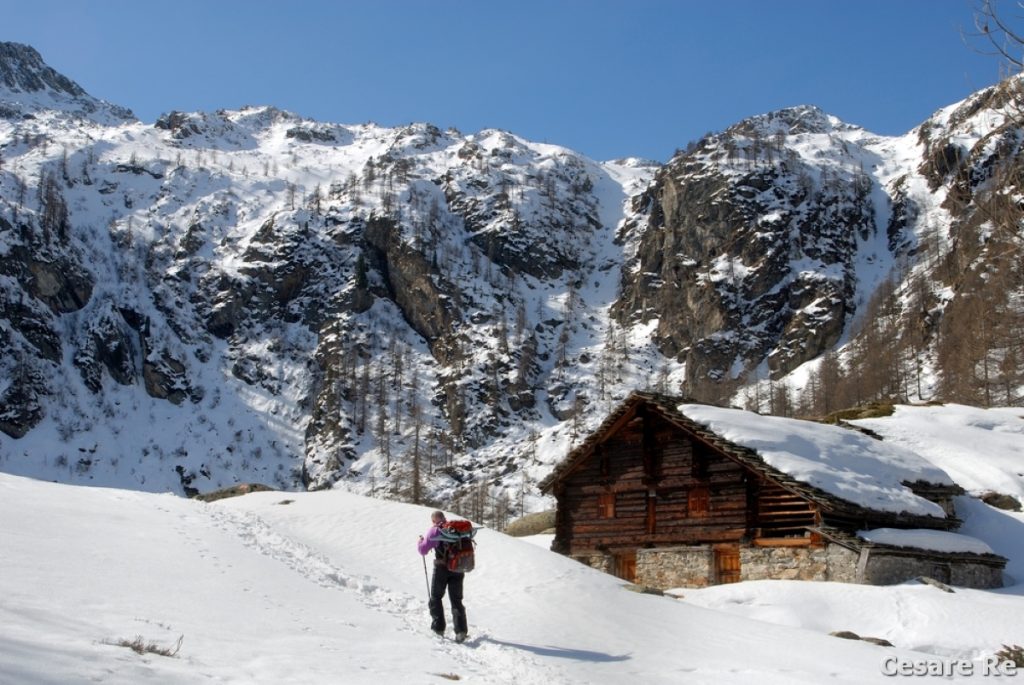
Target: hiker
[[443, 580]]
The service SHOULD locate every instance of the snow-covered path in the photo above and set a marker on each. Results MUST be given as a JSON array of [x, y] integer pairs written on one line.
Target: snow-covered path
[[477, 656]]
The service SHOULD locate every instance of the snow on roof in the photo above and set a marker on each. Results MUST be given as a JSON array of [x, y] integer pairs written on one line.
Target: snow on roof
[[839, 461], [921, 538]]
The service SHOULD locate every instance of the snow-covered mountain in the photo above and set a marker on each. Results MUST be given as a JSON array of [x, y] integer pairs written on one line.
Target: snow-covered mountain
[[254, 296], [793, 234]]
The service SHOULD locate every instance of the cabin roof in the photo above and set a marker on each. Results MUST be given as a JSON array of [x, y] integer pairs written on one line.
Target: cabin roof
[[842, 470]]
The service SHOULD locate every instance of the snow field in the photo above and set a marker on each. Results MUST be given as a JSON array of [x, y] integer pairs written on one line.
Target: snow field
[[326, 587]]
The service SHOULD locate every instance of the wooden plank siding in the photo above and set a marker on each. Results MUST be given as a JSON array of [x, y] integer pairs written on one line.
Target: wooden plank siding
[[780, 513]]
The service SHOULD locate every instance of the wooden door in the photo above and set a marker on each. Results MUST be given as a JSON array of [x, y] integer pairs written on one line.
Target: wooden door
[[625, 566], [727, 564]]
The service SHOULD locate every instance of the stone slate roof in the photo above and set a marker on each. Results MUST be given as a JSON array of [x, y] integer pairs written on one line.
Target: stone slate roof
[[855, 543]]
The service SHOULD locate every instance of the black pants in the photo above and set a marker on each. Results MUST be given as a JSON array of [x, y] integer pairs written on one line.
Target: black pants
[[452, 582]]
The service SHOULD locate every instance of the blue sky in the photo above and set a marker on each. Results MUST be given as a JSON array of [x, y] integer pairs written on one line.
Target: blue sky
[[606, 78]]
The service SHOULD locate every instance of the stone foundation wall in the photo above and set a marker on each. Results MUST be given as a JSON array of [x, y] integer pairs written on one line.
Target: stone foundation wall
[[980, 576], [598, 560], [783, 563], [670, 567], [693, 566], [842, 564], [888, 568]]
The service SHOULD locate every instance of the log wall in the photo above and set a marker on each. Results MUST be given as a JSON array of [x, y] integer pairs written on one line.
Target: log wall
[[667, 490]]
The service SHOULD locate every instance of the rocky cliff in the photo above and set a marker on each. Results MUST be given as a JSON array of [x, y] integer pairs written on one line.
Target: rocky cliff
[[750, 258]]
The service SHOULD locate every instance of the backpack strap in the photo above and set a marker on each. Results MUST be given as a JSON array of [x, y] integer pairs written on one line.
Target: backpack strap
[[451, 535]]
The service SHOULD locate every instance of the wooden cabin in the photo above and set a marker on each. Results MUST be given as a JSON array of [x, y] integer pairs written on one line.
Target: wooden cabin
[[660, 499]]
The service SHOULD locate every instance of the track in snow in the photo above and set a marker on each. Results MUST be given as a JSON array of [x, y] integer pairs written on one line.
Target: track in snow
[[481, 655]]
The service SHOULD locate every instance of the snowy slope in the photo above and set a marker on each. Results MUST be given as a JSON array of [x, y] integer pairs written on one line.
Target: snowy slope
[[912, 616], [326, 587], [981, 449]]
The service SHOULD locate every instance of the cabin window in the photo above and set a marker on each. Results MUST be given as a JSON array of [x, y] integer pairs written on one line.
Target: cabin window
[[700, 466], [698, 501], [606, 505], [605, 464]]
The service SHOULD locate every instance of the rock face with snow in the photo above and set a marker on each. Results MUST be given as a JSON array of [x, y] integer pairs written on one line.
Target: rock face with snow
[[29, 84], [750, 252], [300, 303], [22, 70]]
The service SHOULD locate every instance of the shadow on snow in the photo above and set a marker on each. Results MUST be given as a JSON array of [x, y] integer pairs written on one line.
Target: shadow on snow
[[561, 652]]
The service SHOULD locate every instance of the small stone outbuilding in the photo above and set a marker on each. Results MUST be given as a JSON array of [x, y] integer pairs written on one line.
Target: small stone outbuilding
[[673, 494]]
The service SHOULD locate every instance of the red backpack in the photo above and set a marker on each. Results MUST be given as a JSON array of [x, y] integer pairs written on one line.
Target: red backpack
[[457, 546]]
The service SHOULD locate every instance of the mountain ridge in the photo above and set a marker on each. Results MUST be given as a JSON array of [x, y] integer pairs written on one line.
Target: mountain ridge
[[421, 312]]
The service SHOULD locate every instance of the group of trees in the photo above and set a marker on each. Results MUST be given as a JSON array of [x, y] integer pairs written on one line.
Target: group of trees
[[981, 338], [908, 347], [493, 506], [53, 210]]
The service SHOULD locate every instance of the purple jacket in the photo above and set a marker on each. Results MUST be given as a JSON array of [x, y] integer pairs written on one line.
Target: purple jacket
[[429, 541]]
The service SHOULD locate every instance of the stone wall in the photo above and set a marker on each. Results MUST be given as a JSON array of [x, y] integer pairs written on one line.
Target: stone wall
[[842, 564], [981, 576], [670, 567], [694, 566], [888, 567], [599, 560], [783, 563]]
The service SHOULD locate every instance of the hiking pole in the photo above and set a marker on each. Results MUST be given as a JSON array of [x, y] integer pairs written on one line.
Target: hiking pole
[[425, 578]]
